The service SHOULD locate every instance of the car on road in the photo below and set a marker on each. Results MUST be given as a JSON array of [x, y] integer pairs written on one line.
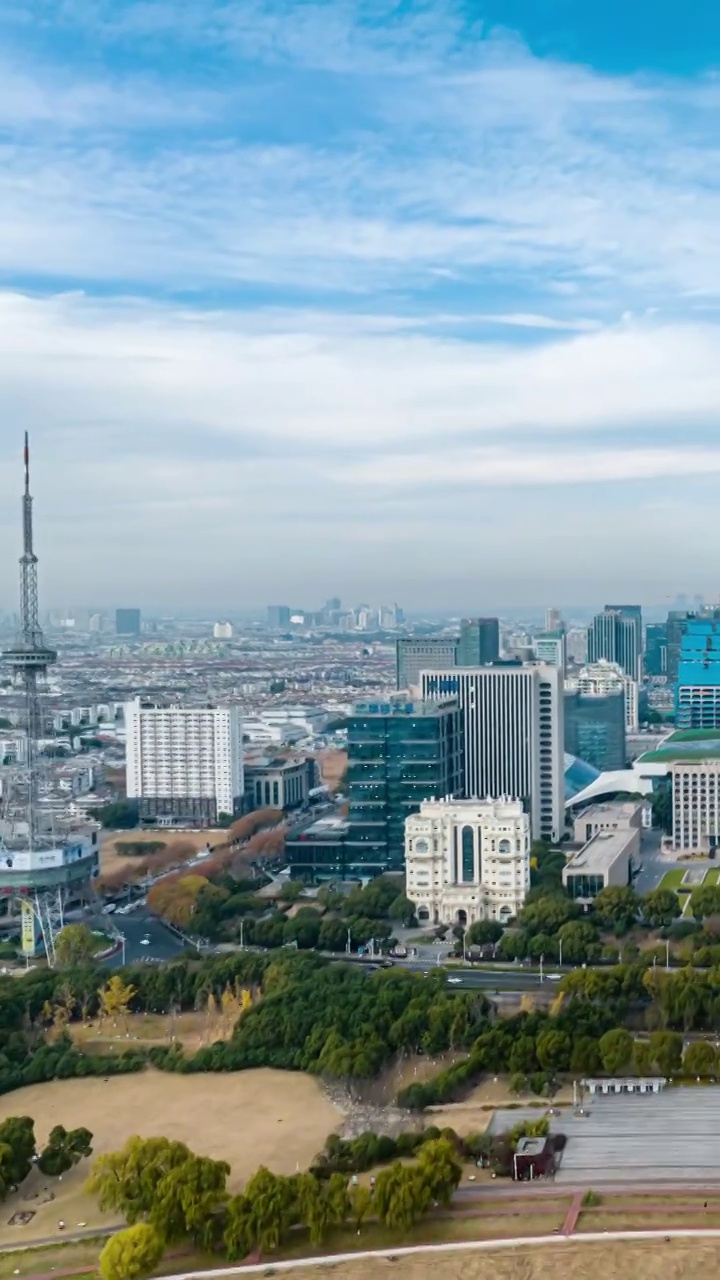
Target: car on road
[[145, 942], [455, 980]]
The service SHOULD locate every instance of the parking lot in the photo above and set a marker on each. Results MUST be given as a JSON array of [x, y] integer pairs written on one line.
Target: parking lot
[[673, 1136]]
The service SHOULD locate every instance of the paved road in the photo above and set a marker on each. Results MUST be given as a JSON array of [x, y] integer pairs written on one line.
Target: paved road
[[163, 945]]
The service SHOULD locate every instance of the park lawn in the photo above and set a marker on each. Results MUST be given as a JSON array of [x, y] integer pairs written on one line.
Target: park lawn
[[481, 1226], [673, 879], [590, 1220], [60, 1257]]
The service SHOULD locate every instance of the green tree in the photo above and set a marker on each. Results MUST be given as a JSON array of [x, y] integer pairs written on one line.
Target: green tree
[[666, 1051], [361, 1204], [705, 901], [292, 890], [188, 1198], [440, 1169], [271, 1203], [402, 909], [64, 1150], [616, 905], [120, 815], [700, 1059], [660, 907], [127, 1181], [17, 1143], [402, 1196], [75, 944], [615, 1051], [553, 1050], [580, 942], [482, 932], [547, 914], [333, 935], [136, 1251]]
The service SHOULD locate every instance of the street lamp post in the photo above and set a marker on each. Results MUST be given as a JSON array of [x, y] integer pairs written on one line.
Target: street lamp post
[[348, 944], [242, 935], [667, 954], [122, 942], [541, 967], [560, 961]]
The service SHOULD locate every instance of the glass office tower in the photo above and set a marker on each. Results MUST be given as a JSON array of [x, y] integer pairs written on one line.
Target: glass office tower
[[399, 754]]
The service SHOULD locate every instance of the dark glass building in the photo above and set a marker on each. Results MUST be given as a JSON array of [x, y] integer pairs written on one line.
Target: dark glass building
[[656, 638], [127, 622], [595, 729], [479, 642], [399, 754]]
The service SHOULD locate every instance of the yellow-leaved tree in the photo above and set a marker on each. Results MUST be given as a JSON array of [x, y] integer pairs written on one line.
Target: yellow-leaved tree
[[115, 998]]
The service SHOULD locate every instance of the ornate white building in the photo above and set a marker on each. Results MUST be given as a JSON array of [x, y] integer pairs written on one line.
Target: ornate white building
[[467, 860]]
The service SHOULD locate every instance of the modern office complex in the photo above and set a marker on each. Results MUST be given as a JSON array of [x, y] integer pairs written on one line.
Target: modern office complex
[[399, 754], [595, 728], [656, 639], [128, 622], [184, 764], [697, 703], [600, 679], [479, 642], [417, 653], [513, 738], [616, 636], [318, 851], [696, 806], [554, 624], [467, 860]]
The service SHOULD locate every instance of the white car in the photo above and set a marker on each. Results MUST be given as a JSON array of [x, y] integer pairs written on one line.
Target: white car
[[455, 980], [144, 942]]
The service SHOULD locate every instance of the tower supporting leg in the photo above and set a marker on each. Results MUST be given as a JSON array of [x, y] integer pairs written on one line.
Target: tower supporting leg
[[48, 909]]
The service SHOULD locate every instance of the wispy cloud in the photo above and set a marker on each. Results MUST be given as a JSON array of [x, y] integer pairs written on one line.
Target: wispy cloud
[[337, 264]]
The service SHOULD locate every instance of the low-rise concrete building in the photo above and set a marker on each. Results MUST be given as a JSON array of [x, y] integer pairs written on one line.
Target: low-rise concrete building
[[605, 860], [616, 815]]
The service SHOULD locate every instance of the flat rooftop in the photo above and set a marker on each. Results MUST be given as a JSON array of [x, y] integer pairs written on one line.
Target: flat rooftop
[[611, 809], [601, 852]]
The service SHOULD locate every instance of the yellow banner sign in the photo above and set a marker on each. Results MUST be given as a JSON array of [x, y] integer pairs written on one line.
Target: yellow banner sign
[[27, 930]]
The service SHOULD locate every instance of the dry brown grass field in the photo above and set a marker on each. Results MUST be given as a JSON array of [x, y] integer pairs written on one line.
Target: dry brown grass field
[[111, 860], [248, 1118], [641, 1260]]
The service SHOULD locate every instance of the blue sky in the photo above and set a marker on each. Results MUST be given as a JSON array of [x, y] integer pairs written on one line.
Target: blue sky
[[413, 301]]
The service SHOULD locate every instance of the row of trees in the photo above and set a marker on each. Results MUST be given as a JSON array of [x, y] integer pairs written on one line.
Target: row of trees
[[212, 904], [168, 1194], [551, 923]]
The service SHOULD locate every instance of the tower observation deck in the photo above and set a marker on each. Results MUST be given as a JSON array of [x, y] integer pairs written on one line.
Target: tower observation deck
[[35, 869]]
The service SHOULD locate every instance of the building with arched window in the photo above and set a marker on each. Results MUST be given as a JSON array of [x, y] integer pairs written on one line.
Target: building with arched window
[[467, 860]]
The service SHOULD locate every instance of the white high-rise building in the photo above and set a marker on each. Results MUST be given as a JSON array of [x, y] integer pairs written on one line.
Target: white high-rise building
[[600, 678], [513, 736], [696, 805], [223, 631], [184, 764], [467, 860]]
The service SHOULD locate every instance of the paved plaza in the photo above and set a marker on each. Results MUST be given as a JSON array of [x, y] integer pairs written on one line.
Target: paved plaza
[[673, 1136]]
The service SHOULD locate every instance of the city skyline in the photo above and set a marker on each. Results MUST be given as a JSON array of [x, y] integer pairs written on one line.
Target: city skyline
[[409, 299]]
